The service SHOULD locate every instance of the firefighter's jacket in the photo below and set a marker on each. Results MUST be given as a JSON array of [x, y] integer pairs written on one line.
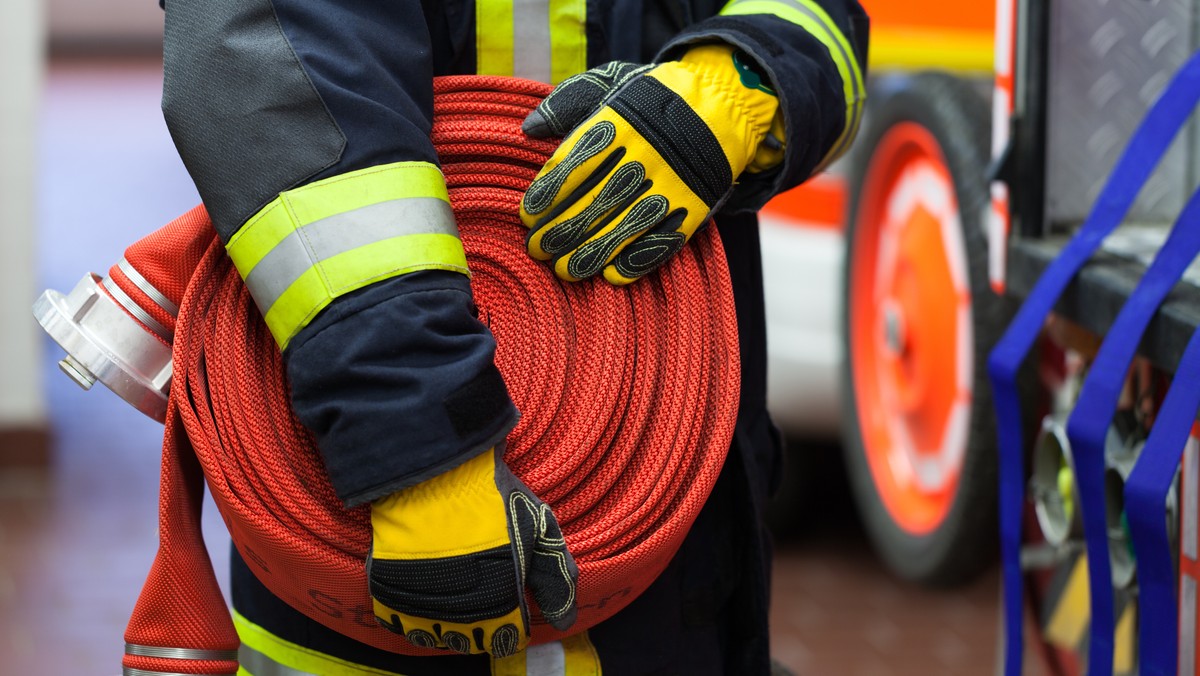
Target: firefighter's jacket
[[267, 98]]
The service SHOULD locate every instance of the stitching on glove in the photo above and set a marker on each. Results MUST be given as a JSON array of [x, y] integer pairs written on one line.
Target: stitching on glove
[[542, 192]]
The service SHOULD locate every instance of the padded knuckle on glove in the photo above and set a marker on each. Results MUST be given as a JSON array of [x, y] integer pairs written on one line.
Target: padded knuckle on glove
[[669, 134], [577, 97]]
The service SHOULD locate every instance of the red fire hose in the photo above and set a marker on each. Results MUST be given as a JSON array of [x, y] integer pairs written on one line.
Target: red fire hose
[[627, 409]]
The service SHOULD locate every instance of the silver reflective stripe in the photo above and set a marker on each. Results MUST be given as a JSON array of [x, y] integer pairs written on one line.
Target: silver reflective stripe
[[258, 664], [128, 671], [180, 653], [531, 40], [136, 310], [1187, 624], [546, 659], [321, 240], [147, 288]]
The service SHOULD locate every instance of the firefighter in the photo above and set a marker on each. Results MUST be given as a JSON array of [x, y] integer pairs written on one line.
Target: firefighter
[[305, 126]]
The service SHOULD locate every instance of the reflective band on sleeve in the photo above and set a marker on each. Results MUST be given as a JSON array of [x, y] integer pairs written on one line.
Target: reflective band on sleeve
[[264, 654], [147, 288], [336, 235], [568, 39], [326, 239], [136, 310], [543, 40], [180, 653], [812, 18]]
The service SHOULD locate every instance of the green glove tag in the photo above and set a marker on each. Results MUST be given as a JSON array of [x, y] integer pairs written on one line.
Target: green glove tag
[[748, 72]]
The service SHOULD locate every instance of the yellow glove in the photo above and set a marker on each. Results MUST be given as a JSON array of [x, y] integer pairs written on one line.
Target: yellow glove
[[451, 559], [653, 152]]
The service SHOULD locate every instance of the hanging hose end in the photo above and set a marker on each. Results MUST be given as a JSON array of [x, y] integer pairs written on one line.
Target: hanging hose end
[[105, 343]]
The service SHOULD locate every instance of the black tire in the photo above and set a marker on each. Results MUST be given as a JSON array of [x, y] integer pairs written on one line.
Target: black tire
[[965, 540]]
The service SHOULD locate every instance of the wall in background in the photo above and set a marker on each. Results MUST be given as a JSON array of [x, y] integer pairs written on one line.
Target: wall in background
[[109, 25], [22, 402]]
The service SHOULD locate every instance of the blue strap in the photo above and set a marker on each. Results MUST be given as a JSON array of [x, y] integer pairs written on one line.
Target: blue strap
[[1088, 425], [1145, 149], [1146, 508]]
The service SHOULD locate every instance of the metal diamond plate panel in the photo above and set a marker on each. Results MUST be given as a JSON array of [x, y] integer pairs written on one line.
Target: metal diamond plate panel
[[1109, 60]]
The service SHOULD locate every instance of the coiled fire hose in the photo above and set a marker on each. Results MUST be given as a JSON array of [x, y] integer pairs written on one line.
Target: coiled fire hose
[[628, 398]]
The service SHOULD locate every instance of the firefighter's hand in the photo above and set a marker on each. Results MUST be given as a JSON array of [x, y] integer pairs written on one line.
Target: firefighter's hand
[[652, 151], [452, 557]]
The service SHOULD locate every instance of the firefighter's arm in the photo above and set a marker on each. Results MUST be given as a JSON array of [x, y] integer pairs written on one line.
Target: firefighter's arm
[[305, 126], [813, 53], [736, 108]]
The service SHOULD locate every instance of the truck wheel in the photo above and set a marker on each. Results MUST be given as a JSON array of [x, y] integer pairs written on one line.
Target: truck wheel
[[919, 318]]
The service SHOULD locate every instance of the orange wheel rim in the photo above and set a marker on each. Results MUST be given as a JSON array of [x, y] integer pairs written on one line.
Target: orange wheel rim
[[911, 338]]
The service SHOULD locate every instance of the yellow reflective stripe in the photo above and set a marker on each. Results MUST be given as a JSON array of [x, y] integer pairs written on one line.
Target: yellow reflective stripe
[[338, 194], [295, 657], [354, 269], [543, 40], [568, 39], [572, 656], [329, 197], [494, 37], [582, 659], [813, 18]]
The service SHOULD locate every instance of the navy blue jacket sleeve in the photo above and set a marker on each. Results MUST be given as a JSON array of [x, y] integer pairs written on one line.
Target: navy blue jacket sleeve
[[396, 380], [815, 54]]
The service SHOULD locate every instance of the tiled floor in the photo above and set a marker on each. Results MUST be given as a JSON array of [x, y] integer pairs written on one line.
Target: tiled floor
[[836, 610], [76, 541]]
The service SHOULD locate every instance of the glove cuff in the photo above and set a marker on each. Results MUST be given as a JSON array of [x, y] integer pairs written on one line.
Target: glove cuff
[[315, 243], [728, 74], [458, 512]]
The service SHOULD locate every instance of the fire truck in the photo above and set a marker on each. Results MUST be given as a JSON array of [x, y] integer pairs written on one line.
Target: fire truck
[[853, 258], [995, 176], [996, 284]]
